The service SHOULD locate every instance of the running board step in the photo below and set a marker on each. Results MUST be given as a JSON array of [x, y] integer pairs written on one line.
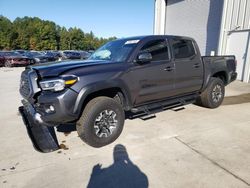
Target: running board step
[[148, 111], [145, 112], [147, 117]]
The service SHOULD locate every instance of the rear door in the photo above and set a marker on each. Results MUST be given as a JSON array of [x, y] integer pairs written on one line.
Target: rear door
[[155, 78], [188, 66]]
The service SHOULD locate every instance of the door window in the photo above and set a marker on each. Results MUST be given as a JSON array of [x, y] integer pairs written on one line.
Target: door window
[[158, 49], [183, 48]]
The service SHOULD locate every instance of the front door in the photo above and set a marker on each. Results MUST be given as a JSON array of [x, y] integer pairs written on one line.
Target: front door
[[155, 78]]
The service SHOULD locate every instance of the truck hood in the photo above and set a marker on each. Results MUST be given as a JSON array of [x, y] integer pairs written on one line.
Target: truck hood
[[56, 68]]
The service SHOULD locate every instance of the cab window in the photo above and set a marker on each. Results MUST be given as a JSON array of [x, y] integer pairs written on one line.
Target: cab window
[[158, 49], [183, 48]]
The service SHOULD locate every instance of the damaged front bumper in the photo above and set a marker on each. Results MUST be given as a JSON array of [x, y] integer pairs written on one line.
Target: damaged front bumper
[[42, 111], [43, 137], [36, 117]]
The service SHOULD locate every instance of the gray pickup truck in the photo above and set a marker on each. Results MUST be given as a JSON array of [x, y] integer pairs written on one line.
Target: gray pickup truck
[[126, 78]]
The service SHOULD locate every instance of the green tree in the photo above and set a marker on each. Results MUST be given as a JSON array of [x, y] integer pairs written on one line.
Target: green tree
[[32, 33], [5, 33]]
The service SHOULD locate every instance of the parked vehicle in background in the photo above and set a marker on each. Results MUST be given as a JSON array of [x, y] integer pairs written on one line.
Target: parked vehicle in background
[[52, 53], [12, 59], [84, 54], [39, 57], [136, 76], [2, 60], [69, 54], [22, 52], [91, 51]]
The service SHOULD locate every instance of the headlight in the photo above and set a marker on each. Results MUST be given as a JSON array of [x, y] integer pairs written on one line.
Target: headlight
[[58, 84]]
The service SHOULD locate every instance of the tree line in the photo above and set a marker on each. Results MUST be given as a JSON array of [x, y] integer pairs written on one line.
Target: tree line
[[33, 33]]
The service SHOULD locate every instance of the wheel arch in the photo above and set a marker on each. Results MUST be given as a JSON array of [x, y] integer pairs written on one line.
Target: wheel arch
[[102, 89], [222, 75]]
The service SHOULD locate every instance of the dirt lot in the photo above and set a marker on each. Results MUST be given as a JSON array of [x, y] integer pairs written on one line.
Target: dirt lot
[[194, 147]]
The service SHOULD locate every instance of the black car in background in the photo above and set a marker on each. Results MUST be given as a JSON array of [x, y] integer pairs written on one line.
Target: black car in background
[[68, 54], [2, 60], [84, 54], [52, 53], [39, 57], [91, 51], [22, 52]]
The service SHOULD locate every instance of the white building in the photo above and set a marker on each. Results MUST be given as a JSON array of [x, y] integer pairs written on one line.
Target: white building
[[220, 27]]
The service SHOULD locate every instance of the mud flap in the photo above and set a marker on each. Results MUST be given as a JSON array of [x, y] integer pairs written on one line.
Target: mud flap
[[42, 137]]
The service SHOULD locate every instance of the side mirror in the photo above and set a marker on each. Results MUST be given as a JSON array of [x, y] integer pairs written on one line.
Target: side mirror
[[144, 57]]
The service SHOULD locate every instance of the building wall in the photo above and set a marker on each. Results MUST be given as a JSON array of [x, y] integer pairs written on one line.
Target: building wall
[[235, 19], [160, 17], [236, 16], [200, 19], [211, 23]]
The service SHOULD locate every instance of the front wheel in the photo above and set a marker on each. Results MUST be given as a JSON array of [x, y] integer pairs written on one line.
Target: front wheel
[[213, 95], [101, 122]]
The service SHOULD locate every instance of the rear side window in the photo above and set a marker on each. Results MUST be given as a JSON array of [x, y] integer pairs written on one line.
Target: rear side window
[[158, 49], [183, 48]]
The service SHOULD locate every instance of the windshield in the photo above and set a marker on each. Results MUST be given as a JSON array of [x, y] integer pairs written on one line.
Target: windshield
[[117, 51]]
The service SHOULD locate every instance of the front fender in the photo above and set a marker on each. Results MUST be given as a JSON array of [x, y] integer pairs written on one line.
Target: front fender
[[98, 86]]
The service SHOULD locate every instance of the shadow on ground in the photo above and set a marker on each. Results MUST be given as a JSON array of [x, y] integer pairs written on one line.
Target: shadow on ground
[[239, 99], [66, 128], [122, 173]]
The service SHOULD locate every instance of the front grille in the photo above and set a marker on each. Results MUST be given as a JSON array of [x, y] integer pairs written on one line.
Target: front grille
[[25, 89]]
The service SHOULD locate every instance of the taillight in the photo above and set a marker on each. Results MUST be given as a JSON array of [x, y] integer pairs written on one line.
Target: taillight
[[235, 65]]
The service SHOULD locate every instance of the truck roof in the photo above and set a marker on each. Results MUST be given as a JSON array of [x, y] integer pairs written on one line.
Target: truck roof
[[154, 36]]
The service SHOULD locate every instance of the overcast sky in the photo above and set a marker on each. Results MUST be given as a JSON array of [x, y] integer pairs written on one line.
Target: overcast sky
[[121, 18]]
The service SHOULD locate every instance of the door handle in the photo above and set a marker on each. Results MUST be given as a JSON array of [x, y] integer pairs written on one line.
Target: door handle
[[169, 69], [196, 65]]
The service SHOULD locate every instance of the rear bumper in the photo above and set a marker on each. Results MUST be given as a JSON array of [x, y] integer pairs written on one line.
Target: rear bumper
[[233, 76]]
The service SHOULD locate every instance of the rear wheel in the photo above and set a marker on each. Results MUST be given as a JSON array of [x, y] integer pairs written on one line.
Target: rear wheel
[[213, 95], [101, 122]]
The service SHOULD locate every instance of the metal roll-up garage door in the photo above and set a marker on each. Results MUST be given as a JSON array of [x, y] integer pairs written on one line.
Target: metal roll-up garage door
[[199, 19]]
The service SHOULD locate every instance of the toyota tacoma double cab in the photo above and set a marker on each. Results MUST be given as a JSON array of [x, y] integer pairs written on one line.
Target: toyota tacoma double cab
[[125, 78]]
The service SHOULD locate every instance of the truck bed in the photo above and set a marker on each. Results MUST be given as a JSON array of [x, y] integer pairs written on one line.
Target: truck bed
[[226, 64]]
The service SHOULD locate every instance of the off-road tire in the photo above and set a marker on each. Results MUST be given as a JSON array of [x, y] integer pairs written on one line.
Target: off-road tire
[[85, 125], [206, 98]]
